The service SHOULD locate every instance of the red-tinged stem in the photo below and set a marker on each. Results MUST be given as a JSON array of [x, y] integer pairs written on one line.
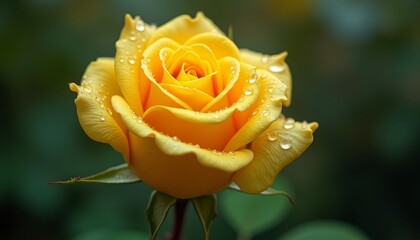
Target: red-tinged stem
[[180, 207]]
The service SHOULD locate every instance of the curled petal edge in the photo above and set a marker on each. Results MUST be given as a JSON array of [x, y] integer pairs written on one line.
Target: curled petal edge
[[224, 161]]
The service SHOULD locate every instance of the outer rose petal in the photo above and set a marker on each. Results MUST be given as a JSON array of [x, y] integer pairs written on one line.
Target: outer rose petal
[[259, 117], [278, 146], [179, 169], [94, 107], [275, 64], [184, 27], [133, 40]]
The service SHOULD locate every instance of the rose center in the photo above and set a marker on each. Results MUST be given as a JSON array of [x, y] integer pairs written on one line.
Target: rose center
[[189, 72]]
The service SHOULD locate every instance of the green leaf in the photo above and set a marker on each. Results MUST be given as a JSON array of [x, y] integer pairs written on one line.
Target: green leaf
[[270, 191], [324, 230], [157, 210], [250, 214], [115, 175], [206, 208]]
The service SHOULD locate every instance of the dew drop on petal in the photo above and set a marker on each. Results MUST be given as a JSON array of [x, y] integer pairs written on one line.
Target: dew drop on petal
[[286, 143], [87, 88], [265, 112], [121, 60], [272, 136], [140, 120], [304, 124], [253, 79], [249, 91], [102, 118], [232, 153], [175, 138], [264, 59], [131, 61], [140, 26], [276, 68], [109, 111], [289, 123], [132, 38]]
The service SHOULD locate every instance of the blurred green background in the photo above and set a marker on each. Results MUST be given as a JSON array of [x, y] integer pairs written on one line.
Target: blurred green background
[[356, 70]]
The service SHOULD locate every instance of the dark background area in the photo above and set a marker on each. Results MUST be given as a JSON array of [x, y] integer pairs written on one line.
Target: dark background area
[[356, 71]]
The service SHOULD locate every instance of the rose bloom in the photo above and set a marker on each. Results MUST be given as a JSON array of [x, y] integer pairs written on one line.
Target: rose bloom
[[189, 111]]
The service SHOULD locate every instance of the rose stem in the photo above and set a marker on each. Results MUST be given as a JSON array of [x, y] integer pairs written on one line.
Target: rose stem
[[180, 207]]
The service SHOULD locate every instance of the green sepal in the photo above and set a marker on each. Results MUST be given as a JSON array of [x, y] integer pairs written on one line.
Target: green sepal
[[206, 208], [268, 192], [120, 174], [157, 210]]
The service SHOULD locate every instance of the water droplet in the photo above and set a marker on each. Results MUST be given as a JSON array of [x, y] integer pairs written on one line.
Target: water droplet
[[140, 26], [132, 38], [131, 61], [286, 143], [121, 60], [272, 136], [232, 153], [175, 138], [87, 88], [270, 90], [304, 124], [249, 91], [264, 59], [276, 68], [241, 99], [140, 120], [289, 123], [253, 79], [254, 112], [98, 99], [109, 111], [102, 118], [197, 145], [265, 112]]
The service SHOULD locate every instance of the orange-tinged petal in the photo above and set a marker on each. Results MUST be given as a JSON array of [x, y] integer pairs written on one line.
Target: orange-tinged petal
[[195, 98], [279, 145], [184, 27], [185, 170], [153, 56], [94, 109], [220, 45], [129, 48], [275, 64], [230, 73], [258, 118]]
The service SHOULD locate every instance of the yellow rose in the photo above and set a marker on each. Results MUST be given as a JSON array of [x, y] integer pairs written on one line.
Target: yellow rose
[[189, 111]]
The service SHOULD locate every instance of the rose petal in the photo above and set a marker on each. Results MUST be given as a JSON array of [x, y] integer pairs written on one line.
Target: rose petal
[[275, 148], [230, 73], [133, 40], [94, 107], [226, 162], [275, 64], [159, 95], [195, 98], [174, 167], [153, 56], [267, 108], [220, 45], [184, 27]]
